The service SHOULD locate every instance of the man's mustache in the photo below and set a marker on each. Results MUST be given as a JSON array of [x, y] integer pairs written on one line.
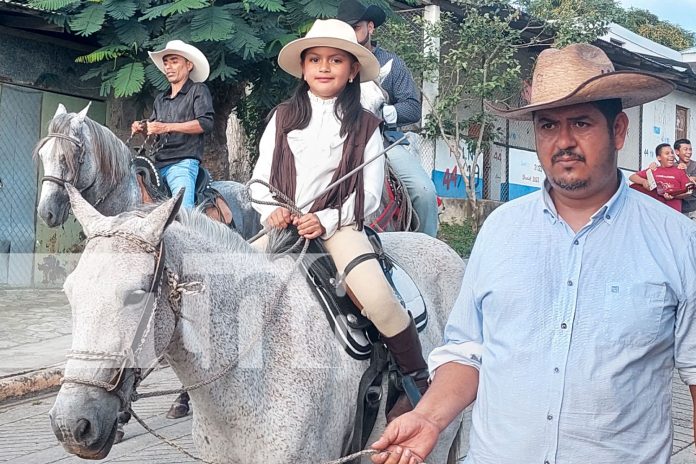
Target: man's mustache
[[566, 155]]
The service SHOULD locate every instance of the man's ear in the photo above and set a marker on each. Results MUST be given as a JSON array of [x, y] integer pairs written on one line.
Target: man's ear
[[189, 65], [620, 130]]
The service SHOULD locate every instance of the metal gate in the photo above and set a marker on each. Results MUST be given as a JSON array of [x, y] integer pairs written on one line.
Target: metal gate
[[20, 112]]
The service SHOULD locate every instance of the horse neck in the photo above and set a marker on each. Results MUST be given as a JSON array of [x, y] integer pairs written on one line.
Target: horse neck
[[227, 322], [126, 196]]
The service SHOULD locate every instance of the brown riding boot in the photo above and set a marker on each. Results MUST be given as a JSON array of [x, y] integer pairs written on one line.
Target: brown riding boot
[[406, 349]]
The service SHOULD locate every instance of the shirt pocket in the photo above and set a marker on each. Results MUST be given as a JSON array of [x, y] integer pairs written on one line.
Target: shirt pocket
[[633, 312]]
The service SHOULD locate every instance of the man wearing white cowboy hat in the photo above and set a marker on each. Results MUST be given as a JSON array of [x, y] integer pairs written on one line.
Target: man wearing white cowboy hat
[[575, 309], [403, 108], [180, 116]]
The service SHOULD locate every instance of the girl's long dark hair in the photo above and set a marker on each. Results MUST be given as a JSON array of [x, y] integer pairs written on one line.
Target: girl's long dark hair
[[347, 108]]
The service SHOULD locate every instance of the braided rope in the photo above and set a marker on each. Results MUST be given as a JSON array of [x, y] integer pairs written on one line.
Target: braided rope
[[165, 439]]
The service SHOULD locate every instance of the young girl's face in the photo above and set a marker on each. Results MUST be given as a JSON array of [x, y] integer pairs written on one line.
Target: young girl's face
[[327, 70]]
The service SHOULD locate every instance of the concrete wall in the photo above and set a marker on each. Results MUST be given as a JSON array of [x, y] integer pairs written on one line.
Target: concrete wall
[[49, 64]]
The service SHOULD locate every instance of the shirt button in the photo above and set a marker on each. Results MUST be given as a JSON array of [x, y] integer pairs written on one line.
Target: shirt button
[[577, 242], [547, 462], [608, 216], [570, 283], [564, 325], [556, 370], [549, 417]]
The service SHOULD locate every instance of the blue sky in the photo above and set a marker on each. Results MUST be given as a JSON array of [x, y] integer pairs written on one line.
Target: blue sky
[[682, 12]]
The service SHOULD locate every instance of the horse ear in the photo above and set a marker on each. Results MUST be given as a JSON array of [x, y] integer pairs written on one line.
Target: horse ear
[[60, 110], [82, 114], [160, 218], [85, 213]]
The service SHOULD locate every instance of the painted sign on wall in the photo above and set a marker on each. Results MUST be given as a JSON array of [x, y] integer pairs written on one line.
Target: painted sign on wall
[[526, 175], [447, 177]]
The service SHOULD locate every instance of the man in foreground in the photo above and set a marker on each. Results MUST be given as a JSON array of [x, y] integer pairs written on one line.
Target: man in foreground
[[574, 310]]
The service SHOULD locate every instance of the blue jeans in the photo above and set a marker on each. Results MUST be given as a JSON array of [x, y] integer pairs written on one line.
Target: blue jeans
[[419, 186], [182, 174]]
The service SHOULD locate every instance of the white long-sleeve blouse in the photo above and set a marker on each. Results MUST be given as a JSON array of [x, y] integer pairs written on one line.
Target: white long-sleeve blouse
[[318, 150]]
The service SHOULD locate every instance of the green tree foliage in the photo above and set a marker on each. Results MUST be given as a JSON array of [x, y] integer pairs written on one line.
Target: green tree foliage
[[238, 37], [648, 25], [587, 18], [579, 20]]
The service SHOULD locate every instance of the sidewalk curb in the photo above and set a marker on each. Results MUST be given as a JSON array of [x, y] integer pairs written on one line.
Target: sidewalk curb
[[40, 380]]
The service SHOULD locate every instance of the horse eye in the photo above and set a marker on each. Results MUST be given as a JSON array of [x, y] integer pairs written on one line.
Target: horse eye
[[135, 297]]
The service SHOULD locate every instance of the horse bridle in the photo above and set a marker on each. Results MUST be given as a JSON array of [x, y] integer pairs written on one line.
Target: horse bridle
[[127, 359], [80, 160]]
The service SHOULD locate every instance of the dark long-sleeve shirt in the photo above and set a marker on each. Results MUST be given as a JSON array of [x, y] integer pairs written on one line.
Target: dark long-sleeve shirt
[[193, 102], [400, 86]]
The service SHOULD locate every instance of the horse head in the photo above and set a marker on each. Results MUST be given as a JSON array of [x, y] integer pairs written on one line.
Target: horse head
[[113, 294], [79, 151], [64, 155]]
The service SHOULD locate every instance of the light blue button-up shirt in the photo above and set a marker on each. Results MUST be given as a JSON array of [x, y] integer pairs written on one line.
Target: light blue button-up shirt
[[576, 335]]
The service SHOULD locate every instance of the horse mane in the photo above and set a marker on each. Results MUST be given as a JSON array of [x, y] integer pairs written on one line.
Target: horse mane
[[112, 156], [213, 231]]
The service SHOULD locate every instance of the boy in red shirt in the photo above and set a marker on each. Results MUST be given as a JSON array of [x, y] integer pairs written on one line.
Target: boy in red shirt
[[672, 183]]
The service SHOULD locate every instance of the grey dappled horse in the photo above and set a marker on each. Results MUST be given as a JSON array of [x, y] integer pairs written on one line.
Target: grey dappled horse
[[89, 156], [291, 394]]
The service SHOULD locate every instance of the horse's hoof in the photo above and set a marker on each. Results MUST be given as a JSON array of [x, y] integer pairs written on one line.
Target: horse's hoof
[[178, 410], [118, 437]]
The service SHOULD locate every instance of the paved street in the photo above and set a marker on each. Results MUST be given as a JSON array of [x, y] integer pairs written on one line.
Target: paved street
[[35, 333], [26, 436]]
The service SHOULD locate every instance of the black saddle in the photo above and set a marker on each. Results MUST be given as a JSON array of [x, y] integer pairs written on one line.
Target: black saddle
[[208, 199]]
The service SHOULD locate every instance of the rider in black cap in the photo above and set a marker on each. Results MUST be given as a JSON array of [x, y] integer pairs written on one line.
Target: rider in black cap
[[403, 108]]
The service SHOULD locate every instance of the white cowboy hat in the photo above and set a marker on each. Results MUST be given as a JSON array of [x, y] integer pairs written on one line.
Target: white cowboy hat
[[329, 33], [201, 68], [582, 73]]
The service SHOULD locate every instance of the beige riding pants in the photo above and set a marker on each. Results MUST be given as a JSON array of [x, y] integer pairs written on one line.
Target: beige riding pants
[[366, 280]]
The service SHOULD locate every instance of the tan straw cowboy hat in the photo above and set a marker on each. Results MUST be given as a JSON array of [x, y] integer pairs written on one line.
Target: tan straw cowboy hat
[[582, 73], [201, 68], [329, 33]]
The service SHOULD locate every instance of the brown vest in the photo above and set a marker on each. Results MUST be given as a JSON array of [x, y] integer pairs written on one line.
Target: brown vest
[[284, 174]]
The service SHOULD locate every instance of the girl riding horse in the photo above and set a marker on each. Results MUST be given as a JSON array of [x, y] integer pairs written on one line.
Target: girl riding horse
[[320, 134]]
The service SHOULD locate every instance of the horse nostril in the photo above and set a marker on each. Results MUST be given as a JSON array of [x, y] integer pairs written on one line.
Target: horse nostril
[[82, 430], [49, 217]]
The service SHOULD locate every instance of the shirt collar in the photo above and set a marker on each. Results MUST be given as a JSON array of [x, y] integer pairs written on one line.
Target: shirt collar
[[184, 89], [316, 101], [608, 212]]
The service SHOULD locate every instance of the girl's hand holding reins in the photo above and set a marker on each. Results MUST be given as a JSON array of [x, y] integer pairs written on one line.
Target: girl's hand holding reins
[[309, 226], [280, 218]]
